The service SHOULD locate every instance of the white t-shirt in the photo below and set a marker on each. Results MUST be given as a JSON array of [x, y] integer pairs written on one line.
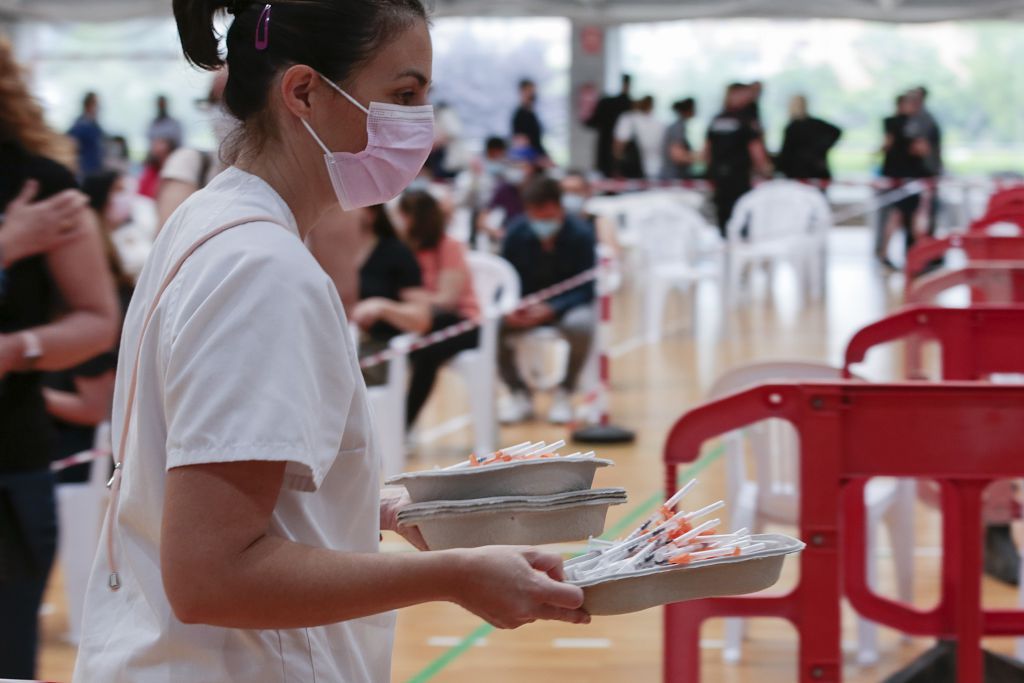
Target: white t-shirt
[[649, 134], [186, 164], [246, 358]]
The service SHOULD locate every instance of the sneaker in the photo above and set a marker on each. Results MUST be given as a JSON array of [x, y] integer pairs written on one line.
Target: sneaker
[[1002, 560], [561, 408], [516, 407]]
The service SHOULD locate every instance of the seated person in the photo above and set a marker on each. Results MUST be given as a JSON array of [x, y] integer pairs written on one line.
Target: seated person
[[506, 205], [390, 303], [576, 190], [447, 290], [547, 246]]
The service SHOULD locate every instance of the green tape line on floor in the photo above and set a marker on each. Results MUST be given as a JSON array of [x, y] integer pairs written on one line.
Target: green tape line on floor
[[640, 511]]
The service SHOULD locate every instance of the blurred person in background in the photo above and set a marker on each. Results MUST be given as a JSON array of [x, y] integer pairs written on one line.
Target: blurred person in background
[[604, 119], [678, 155], [806, 144], [639, 137], [734, 152], [525, 121], [391, 300], [448, 157], [750, 111], [160, 150], [34, 338], [165, 126], [547, 246], [475, 186], [188, 170], [80, 398], [927, 127], [88, 135], [506, 205], [576, 191], [447, 291], [904, 161]]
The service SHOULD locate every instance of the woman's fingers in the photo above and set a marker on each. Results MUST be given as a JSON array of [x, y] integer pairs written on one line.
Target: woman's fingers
[[571, 616]]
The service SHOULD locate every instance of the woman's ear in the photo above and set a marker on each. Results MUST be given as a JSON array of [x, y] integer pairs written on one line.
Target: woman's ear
[[300, 85]]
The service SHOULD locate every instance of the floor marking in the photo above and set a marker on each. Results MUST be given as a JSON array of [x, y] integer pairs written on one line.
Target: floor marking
[[455, 424], [452, 641], [581, 643]]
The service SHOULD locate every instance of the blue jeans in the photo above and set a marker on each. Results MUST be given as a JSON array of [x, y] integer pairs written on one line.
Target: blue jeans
[[28, 542]]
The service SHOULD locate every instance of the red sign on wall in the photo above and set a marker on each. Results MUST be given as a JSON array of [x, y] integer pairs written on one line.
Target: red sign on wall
[[592, 40]]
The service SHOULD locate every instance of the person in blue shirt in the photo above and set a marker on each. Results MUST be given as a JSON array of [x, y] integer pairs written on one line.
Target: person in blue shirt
[[546, 246], [88, 135]]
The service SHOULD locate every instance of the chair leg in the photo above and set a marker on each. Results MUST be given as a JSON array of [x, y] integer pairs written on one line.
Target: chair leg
[[900, 521], [480, 384], [736, 628], [654, 309]]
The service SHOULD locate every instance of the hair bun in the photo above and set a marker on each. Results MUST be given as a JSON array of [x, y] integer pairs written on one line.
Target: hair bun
[[238, 6]]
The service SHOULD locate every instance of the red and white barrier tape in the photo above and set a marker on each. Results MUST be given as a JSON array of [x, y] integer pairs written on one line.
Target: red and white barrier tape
[[78, 459], [467, 325]]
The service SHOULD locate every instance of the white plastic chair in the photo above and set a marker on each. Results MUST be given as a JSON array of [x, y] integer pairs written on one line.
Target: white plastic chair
[[387, 408], [785, 221], [497, 288], [676, 243], [80, 510], [773, 495]]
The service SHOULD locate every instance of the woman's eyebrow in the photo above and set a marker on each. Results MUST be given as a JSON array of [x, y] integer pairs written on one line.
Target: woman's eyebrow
[[417, 74]]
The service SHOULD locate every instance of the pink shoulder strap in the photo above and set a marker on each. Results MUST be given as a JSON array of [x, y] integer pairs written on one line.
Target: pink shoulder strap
[[114, 582]]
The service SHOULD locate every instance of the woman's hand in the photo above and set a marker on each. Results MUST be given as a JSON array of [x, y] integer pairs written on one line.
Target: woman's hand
[[392, 501], [511, 587], [32, 228], [368, 312], [12, 353]]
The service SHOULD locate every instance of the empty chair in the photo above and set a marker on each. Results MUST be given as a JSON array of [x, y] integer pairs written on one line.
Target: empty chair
[[773, 494], [497, 289], [387, 408], [679, 252], [779, 221]]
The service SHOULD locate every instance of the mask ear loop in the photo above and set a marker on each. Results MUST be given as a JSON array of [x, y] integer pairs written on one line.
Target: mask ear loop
[[316, 137], [344, 94]]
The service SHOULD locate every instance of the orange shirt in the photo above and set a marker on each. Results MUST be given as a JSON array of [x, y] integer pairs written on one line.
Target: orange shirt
[[449, 255]]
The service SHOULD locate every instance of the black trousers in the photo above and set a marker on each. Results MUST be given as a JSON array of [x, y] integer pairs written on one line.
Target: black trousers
[[28, 543], [427, 362], [726, 196]]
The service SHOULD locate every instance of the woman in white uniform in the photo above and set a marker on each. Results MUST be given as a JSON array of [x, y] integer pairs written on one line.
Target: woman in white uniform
[[242, 539]]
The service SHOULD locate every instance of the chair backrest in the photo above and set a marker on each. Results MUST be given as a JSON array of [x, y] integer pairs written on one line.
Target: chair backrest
[[671, 232], [495, 281], [780, 209], [774, 444]]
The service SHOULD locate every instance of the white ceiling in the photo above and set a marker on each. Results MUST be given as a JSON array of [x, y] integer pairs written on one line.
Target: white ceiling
[[598, 11]]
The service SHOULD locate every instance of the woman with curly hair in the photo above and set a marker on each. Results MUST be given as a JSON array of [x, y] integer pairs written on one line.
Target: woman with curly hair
[[34, 337]]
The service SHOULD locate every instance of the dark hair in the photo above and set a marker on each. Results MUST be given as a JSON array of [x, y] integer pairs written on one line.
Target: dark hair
[[542, 191], [495, 144], [383, 228], [683, 107], [627, 80], [527, 83], [89, 99], [426, 219], [335, 37], [98, 187]]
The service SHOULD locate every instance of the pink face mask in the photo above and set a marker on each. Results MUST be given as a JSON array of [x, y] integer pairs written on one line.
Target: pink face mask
[[399, 140]]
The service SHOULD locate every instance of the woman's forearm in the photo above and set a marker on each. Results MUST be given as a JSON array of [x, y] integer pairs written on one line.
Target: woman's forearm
[[72, 408], [408, 316], [279, 584]]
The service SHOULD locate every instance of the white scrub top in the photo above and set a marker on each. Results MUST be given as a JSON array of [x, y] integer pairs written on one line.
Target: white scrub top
[[246, 358]]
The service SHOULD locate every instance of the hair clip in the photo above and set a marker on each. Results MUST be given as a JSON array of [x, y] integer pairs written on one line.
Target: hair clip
[[263, 29]]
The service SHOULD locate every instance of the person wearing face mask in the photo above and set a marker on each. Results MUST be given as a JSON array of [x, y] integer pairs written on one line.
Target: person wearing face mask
[[547, 246], [506, 205], [576, 190], [242, 534], [78, 399]]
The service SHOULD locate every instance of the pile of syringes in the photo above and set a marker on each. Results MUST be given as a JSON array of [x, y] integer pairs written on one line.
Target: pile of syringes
[[667, 539]]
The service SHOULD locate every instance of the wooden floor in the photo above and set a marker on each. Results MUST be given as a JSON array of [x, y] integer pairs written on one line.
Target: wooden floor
[[653, 385]]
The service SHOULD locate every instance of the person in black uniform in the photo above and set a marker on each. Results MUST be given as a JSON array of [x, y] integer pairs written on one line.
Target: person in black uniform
[[525, 122], [904, 160], [603, 120], [734, 151], [806, 144], [33, 339]]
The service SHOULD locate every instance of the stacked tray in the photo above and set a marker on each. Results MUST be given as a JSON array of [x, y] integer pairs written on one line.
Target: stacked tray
[[548, 499], [639, 590]]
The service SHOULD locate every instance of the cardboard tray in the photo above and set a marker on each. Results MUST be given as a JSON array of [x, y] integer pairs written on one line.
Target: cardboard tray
[[526, 478], [648, 588], [513, 521]]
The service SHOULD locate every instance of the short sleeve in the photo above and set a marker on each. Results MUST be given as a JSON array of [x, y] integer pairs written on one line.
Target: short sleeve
[[624, 128], [453, 256], [183, 164], [407, 271], [52, 177], [257, 364]]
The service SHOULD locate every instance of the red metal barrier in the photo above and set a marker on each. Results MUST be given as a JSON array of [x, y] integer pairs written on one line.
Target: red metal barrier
[[850, 432], [991, 282], [975, 342], [977, 245]]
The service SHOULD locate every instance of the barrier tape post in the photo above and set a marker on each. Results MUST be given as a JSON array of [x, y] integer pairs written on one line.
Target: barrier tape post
[[604, 432]]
